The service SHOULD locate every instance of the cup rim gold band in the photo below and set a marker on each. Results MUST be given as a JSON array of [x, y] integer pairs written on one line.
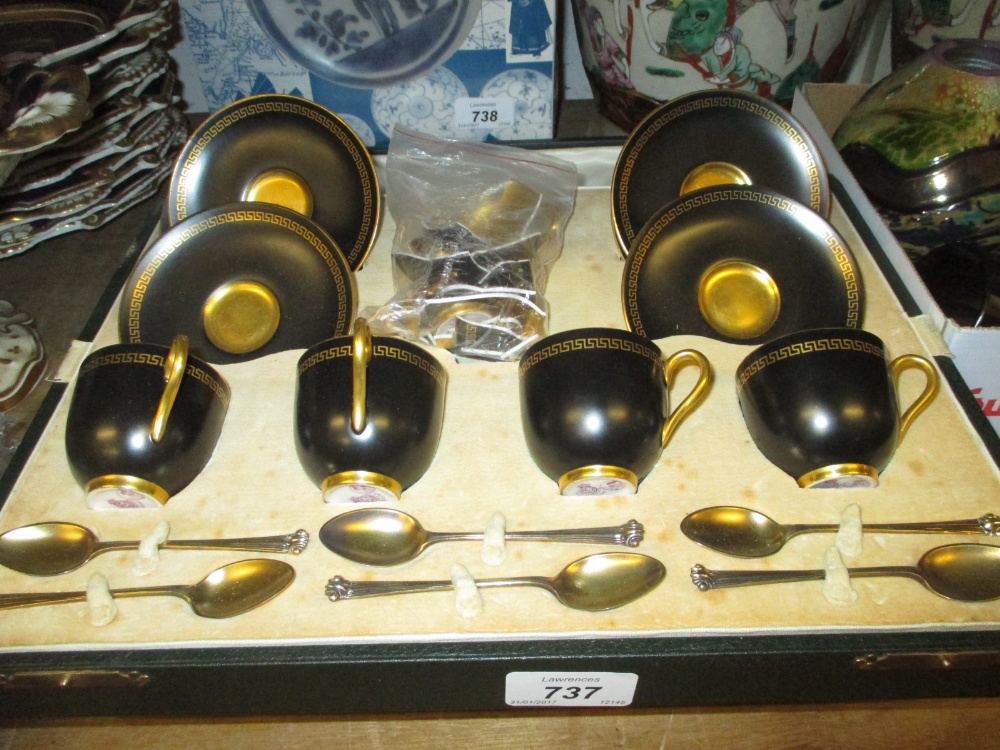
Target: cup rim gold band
[[370, 478], [836, 471], [117, 481], [598, 471]]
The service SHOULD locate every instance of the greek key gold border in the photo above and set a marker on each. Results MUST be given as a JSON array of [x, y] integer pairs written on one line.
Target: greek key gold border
[[429, 365], [218, 387], [586, 343], [630, 292], [341, 279], [773, 116], [243, 108], [829, 344]]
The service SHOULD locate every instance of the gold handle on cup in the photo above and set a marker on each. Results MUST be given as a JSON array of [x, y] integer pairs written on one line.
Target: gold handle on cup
[[915, 362], [674, 363], [173, 373], [361, 355]]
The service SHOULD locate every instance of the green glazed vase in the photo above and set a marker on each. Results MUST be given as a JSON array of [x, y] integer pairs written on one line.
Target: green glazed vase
[[924, 144]]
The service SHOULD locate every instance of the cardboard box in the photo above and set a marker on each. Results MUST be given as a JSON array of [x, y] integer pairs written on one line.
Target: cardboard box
[[491, 87], [976, 351]]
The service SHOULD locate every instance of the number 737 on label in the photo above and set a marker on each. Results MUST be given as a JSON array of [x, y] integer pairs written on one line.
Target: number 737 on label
[[584, 689]]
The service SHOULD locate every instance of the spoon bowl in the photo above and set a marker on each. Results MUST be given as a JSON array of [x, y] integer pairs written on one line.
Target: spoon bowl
[[239, 587], [226, 592], [46, 549], [375, 536], [594, 583], [966, 572], [742, 532], [607, 581]]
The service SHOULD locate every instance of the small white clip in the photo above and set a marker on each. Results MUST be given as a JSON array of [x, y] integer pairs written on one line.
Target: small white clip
[[837, 584], [147, 557], [850, 533], [100, 601], [494, 540], [468, 602]]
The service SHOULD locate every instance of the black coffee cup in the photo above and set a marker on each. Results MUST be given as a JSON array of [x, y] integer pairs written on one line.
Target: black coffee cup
[[143, 422], [822, 404], [595, 407], [368, 415]]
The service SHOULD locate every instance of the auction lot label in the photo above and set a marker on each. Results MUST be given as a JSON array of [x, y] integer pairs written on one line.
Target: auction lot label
[[582, 689]]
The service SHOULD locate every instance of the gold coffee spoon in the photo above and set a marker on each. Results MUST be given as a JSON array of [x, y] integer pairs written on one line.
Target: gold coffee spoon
[[48, 549], [966, 572], [229, 591], [742, 532], [594, 583], [383, 536]]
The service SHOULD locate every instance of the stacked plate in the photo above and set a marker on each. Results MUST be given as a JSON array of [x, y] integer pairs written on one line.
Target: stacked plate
[[720, 202], [92, 121], [273, 204]]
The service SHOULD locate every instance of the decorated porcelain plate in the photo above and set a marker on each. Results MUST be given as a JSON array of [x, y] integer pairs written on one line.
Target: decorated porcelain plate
[[241, 281], [285, 150], [367, 43], [708, 138], [742, 265]]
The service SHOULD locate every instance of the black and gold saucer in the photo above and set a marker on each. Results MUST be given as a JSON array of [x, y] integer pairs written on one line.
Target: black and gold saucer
[[742, 265], [708, 138], [241, 281], [285, 150]]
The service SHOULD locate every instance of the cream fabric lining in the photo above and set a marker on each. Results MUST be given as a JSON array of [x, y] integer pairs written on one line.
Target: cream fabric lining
[[254, 486]]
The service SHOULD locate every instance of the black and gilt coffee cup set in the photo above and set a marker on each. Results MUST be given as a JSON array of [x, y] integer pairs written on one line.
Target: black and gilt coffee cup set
[[274, 204]]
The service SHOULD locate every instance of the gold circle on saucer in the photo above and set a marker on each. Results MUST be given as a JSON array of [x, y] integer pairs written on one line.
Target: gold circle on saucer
[[241, 316], [281, 187], [738, 299], [713, 173]]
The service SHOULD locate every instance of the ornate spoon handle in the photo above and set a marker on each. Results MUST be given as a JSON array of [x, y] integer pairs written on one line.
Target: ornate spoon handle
[[988, 524], [338, 587], [292, 544], [14, 601], [629, 534], [706, 579]]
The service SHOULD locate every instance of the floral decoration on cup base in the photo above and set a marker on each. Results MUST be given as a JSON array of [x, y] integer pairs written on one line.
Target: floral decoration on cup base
[[119, 491], [597, 480], [360, 487], [840, 476]]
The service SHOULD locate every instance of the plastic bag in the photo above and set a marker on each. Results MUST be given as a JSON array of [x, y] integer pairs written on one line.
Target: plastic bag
[[478, 228]]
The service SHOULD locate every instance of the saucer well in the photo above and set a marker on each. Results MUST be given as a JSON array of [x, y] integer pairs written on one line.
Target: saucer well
[[739, 264], [285, 150], [241, 281], [710, 138]]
